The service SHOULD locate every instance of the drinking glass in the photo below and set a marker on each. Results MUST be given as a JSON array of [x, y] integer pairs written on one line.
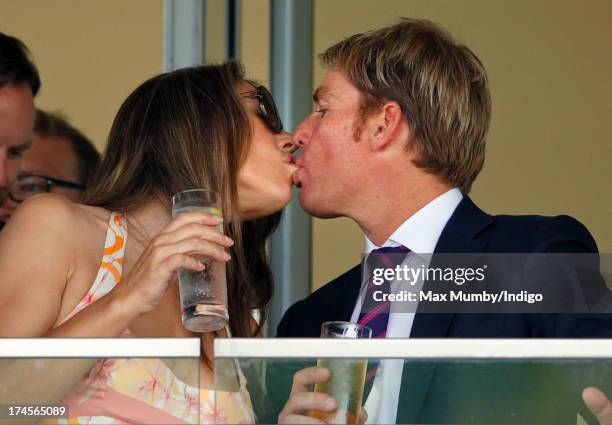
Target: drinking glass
[[203, 294], [347, 376]]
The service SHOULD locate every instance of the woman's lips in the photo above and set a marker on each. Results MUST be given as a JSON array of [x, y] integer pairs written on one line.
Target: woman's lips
[[289, 159]]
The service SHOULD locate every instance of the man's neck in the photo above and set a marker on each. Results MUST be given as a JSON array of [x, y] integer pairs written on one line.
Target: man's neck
[[385, 214]]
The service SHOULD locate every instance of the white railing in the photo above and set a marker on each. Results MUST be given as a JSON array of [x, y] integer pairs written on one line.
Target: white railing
[[300, 348], [99, 347]]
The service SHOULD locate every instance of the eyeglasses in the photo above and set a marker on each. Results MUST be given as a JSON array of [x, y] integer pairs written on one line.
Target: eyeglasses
[[28, 185], [267, 107]]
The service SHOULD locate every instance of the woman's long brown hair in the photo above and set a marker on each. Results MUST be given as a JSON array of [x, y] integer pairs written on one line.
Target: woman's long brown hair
[[182, 130]]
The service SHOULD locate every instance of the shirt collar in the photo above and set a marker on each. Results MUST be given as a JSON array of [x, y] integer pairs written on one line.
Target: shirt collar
[[421, 231]]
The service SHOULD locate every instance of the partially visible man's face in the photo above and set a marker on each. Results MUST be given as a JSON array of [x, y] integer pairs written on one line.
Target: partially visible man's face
[[16, 125], [48, 156], [331, 162]]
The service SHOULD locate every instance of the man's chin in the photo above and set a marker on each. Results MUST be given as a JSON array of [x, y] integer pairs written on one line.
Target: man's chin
[[316, 210]]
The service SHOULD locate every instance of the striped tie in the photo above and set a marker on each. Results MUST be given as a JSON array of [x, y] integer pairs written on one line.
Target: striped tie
[[375, 314]]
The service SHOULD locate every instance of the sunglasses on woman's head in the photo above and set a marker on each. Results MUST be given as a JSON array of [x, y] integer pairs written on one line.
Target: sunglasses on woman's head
[[267, 108]]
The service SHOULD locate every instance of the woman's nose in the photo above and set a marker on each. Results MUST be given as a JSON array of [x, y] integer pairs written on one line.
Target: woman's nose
[[285, 143]]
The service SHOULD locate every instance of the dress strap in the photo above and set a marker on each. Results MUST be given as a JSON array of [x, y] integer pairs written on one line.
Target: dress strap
[[111, 266]]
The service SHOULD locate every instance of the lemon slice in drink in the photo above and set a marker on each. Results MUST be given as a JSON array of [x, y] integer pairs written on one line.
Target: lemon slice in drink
[[215, 211]]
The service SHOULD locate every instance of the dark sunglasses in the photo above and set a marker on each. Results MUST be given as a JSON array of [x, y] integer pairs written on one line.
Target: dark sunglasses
[[267, 107], [29, 185]]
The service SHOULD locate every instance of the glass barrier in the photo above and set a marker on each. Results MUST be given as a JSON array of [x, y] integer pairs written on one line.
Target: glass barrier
[[451, 381], [100, 381]]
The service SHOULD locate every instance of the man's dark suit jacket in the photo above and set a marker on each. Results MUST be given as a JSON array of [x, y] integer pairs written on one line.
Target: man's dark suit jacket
[[452, 394]]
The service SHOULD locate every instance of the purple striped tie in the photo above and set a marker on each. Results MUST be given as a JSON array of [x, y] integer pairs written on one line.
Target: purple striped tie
[[375, 314]]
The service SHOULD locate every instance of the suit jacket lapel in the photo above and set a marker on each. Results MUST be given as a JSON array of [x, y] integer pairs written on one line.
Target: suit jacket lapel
[[458, 236], [461, 231], [348, 293]]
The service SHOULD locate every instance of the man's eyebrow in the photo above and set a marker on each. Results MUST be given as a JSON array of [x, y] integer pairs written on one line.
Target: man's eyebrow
[[320, 93], [316, 95], [23, 146]]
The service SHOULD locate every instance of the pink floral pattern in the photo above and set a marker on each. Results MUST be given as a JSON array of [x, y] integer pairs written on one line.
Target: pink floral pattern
[[213, 415], [146, 381]]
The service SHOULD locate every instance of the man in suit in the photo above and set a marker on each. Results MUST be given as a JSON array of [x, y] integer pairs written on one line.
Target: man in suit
[[395, 141], [19, 83], [60, 159]]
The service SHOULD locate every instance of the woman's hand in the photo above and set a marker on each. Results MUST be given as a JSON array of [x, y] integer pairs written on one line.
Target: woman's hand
[[173, 248]]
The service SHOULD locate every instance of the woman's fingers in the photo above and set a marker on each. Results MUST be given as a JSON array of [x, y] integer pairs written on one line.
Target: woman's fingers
[[194, 246], [201, 217], [172, 234], [182, 261], [194, 229]]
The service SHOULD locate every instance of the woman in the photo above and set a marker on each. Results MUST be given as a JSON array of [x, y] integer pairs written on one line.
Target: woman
[[204, 127]]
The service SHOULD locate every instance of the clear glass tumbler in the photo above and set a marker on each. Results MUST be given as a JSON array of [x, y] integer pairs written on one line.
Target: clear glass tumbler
[[203, 294]]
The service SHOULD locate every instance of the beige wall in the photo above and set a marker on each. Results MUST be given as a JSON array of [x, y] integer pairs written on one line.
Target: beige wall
[[254, 32], [90, 55], [549, 147], [214, 31], [548, 63], [254, 36]]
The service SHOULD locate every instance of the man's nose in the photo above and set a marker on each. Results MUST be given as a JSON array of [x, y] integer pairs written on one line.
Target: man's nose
[[284, 142], [301, 134]]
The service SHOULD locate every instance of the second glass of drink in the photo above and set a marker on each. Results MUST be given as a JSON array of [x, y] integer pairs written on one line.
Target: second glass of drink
[[203, 294], [347, 378]]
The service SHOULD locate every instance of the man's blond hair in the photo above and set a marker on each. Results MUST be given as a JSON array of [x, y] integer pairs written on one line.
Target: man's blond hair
[[440, 85]]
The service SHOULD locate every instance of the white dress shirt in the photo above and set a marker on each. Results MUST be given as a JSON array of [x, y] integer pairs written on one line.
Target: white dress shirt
[[420, 234]]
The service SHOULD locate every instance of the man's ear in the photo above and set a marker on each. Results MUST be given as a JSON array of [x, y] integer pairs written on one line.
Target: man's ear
[[387, 126]]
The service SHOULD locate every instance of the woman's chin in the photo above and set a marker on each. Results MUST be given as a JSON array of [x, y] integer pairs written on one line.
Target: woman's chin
[[265, 209]]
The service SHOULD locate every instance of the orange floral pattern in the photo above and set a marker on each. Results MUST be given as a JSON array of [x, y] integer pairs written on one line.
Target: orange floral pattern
[[142, 391]]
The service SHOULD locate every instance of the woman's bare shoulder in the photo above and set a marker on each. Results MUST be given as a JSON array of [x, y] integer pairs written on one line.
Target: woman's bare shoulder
[[46, 238], [54, 218]]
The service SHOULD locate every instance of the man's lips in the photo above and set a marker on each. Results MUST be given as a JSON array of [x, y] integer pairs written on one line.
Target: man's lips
[[296, 178], [292, 161]]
